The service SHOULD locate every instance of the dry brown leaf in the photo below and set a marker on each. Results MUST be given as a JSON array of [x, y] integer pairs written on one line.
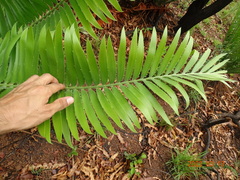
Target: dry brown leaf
[[114, 156], [2, 155], [120, 138], [88, 172]]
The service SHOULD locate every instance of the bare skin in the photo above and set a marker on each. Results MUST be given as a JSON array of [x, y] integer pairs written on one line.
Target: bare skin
[[27, 105]]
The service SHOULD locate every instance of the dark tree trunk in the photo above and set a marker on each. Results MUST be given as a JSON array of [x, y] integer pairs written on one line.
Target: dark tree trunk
[[196, 13]]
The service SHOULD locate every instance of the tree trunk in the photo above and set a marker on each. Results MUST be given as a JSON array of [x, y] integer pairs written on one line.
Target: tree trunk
[[196, 13]]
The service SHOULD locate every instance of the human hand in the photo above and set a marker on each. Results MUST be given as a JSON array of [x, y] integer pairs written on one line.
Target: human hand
[[27, 105]]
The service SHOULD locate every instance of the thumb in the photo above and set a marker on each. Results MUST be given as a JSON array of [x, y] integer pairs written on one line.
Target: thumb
[[61, 103]]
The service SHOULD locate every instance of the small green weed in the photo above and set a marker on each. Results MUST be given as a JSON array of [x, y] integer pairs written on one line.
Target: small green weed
[[147, 29], [36, 172], [166, 125], [234, 171], [207, 21], [73, 152], [135, 161], [183, 164], [194, 96], [237, 164], [217, 43], [228, 13]]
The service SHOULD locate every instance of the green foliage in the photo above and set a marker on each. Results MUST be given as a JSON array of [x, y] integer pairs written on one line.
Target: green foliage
[[180, 164], [73, 152], [135, 161], [187, 164], [232, 44], [37, 172], [194, 96], [157, 2], [228, 13], [103, 85], [39, 13], [234, 171]]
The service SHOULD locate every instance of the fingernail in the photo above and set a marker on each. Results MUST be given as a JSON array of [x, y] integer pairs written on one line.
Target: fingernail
[[70, 100]]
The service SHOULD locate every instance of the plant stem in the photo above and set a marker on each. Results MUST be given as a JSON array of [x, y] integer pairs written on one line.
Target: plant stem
[[187, 75]]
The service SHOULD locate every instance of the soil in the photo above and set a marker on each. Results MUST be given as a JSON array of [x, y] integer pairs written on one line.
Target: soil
[[26, 155]]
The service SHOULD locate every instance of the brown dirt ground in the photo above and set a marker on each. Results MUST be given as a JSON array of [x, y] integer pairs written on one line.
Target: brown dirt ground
[[26, 155]]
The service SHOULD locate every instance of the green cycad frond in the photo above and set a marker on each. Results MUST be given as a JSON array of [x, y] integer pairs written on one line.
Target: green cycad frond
[[105, 85], [50, 12]]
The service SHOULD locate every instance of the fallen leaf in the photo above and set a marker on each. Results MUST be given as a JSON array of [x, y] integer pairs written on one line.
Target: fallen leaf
[[2, 155]]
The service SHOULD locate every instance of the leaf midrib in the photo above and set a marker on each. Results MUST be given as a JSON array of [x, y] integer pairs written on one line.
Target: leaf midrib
[[6, 86]]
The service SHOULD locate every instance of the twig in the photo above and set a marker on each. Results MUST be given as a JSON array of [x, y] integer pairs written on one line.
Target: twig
[[209, 138], [218, 175], [35, 135], [225, 117], [208, 175], [119, 130]]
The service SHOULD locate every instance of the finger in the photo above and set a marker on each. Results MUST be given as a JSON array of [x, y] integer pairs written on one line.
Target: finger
[[55, 87], [59, 105], [46, 79], [31, 79]]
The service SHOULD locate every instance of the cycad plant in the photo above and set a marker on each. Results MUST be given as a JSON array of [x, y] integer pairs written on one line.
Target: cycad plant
[[39, 13], [232, 44], [105, 84]]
